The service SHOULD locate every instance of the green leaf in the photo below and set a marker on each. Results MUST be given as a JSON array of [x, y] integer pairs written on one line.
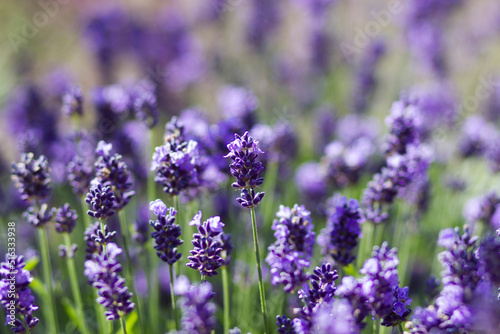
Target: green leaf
[[71, 312], [39, 288], [32, 263]]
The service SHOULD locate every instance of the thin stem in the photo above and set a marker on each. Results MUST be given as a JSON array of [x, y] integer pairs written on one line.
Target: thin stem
[[172, 297], [86, 217], [128, 270], [259, 270], [25, 324], [74, 286], [225, 298], [365, 244], [153, 289], [101, 223], [47, 273], [122, 322]]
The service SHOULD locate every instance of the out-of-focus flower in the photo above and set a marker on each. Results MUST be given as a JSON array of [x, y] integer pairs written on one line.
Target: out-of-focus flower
[[145, 105], [476, 134], [72, 102], [31, 177], [80, 175], [39, 216], [65, 220]]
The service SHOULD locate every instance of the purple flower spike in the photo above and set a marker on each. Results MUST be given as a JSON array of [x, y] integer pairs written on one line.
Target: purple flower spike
[[290, 255], [103, 271], [342, 231], [31, 177], [17, 298], [198, 312], [39, 217], [101, 201], [80, 175], [112, 171], [206, 255], [72, 102], [167, 233], [145, 103], [246, 168], [65, 219]]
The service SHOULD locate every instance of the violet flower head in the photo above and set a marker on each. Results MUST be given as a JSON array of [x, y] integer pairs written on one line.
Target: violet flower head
[[227, 248], [476, 134], [399, 309], [145, 103], [103, 271], [285, 325], [335, 317], [112, 171], [198, 312], [31, 177], [320, 292], [404, 123], [310, 179], [167, 233], [245, 167], [65, 219], [79, 175], [92, 246], [206, 255], [177, 162], [352, 290], [239, 104], [289, 256], [482, 209], [341, 234], [72, 102], [141, 225], [489, 258], [15, 295], [381, 279], [101, 201], [38, 217]]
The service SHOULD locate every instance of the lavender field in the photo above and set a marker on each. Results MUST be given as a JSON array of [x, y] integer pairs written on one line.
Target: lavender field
[[250, 166]]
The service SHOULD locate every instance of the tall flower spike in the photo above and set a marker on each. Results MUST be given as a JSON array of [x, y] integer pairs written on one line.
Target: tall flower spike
[[79, 175], [40, 217], [65, 219], [31, 177], [112, 171], [145, 104], [17, 300], [342, 231], [92, 246], [103, 271], [167, 233], [198, 313], [206, 255], [176, 163], [72, 102], [246, 169], [101, 200], [320, 292], [290, 255]]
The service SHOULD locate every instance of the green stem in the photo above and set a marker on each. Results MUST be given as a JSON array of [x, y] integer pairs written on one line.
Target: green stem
[[47, 273], [74, 286], [128, 268], [28, 331], [101, 223], [122, 322], [225, 298], [153, 289], [86, 217], [365, 244], [379, 234], [172, 297], [259, 270]]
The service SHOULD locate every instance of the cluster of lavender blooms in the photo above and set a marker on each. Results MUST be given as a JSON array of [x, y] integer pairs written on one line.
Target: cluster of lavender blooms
[[206, 255], [112, 172], [31, 177], [167, 233], [343, 230], [290, 255], [405, 173], [65, 221], [450, 311], [103, 272], [72, 102], [245, 167], [483, 209], [176, 164], [198, 314], [15, 295], [377, 292]]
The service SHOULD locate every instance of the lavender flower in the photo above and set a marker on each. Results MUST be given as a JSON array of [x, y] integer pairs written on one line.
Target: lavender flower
[[39, 216], [31, 177], [482, 209], [167, 233], [112, 171], [227, 248], [335, 317], [476, 134], [79, 175], [310, 179], [141, 225], [342, 231], [489, 258], [320, 292], [103, 271], [15, 295], [399, 311], [145, 103], [285, 325], [290, 255], [404, 123], [352, 290], [72, 102], [65, 219], [176, 163], [92, 246], [198, 313], [101, 200], [246, 168], [206, 255]]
